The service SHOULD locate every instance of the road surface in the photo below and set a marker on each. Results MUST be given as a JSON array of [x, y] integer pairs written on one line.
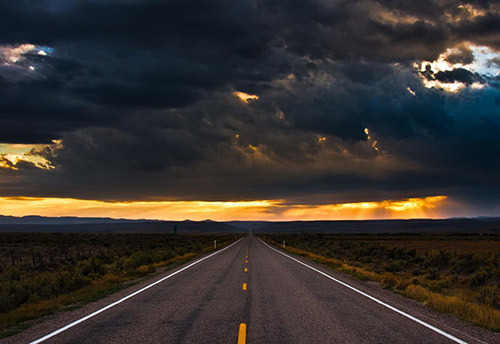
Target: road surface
[[252, 293]]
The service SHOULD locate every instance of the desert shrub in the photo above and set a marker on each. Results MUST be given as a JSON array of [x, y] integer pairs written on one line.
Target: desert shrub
[[465, 264], [12, 293], [490, 295], [393, 266], [389, 281], [12, 273], [403, 284], [144, 269], [417, 272], [437, 285], [92, 265], [440, 260], [68, 281], [480, 278], [433, 274]]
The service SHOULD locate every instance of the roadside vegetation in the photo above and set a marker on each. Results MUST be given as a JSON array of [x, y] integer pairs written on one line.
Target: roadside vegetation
[[44, 272], [453, 274]]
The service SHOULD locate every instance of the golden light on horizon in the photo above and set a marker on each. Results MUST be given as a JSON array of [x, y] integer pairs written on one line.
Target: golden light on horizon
[[271, 210], [427, 207], [414, 203], [162, 210]]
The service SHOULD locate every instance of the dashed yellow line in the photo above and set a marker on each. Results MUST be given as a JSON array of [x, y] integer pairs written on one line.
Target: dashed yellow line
[[242, 335]]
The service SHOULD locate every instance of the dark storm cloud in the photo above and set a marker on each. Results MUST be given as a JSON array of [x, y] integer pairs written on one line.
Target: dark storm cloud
[[140, 92], [463, 55], [458, 74]]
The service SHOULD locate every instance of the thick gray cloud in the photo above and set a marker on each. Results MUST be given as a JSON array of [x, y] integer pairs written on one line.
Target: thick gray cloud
[[141, 94]]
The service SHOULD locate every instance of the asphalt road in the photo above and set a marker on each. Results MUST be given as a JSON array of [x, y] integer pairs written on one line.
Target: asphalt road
[[284, 302]]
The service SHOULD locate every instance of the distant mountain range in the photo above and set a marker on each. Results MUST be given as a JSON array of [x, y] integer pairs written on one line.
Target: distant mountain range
[[105, 224], [97, 224], [65, 220]]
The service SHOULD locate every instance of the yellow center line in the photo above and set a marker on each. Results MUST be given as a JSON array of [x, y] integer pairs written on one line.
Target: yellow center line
[[242, 335], [246, 269], [244, 286]]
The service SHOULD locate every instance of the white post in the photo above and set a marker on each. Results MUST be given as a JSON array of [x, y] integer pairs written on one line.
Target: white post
[[283, 243], [215, 244]]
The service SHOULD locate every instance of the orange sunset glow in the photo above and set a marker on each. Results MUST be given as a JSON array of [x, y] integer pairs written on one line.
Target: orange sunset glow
[[271, 210]]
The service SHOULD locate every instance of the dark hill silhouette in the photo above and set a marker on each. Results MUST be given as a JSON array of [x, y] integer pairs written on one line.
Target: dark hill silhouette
[[93, 224], [77, 224]]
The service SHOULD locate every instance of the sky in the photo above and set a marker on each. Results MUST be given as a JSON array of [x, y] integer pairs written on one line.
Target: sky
[[250, 110]]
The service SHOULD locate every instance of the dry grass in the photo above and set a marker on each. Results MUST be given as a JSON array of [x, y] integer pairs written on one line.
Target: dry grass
[[480, 315]]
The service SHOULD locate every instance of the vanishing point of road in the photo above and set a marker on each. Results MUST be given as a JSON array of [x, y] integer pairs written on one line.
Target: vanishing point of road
[[250, 292]]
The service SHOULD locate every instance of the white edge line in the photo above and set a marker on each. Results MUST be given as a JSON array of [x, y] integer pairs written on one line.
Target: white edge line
[[421, 322], [74, 323]]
